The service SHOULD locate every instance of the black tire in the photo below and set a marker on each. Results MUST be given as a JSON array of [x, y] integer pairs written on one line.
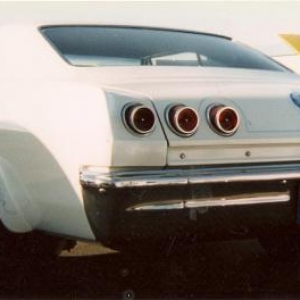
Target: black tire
[[32, 245]]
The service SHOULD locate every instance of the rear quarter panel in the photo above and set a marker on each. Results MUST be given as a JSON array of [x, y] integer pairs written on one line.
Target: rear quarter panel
[[50, 124]]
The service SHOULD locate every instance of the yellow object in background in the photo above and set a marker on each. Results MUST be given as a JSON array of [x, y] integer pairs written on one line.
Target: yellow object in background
[[293, 40]]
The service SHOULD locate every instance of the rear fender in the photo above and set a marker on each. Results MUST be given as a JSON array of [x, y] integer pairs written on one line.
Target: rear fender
[[17, 210]]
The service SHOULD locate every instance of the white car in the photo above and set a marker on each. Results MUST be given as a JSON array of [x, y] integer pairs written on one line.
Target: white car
[[130, 135]]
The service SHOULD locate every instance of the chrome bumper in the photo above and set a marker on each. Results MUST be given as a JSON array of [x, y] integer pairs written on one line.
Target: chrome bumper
[[105, 178]]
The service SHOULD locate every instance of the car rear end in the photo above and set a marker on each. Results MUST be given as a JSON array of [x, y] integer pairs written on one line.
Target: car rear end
[[205, 144], [232, 176]]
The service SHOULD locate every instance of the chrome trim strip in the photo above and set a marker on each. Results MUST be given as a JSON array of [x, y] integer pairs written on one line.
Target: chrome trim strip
[[252, 199], [109, 178], [161, 205], [260, 198]]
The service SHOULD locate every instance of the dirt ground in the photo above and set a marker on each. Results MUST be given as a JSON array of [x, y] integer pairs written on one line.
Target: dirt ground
[[223, 270]]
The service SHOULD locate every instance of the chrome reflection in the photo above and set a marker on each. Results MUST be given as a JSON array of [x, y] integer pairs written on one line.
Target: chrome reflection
[[250, 199], [260, 198], [106, 178], [161, 205]]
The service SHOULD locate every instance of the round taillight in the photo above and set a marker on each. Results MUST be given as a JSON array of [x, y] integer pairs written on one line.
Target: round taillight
[[183, 120], [224, 120], [139, 118]]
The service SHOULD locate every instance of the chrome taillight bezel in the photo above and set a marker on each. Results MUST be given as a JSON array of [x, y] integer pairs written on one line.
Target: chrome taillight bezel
[[214, 115], [128, 114], [172, 115]]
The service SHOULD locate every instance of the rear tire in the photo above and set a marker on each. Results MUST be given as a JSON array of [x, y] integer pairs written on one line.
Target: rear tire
[[32, 245]]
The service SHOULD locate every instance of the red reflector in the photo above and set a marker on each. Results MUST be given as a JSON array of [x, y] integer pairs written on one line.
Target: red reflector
[[139, 118], [183, 120], [223, 119]]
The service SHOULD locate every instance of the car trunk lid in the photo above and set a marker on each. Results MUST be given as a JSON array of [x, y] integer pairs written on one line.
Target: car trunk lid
[[269, 128]]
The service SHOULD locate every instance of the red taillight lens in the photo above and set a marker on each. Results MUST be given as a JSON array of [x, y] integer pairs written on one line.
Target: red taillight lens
[[224, 119], [139, 118], [183, 120]]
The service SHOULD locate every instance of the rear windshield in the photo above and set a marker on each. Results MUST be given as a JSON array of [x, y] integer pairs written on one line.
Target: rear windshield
[[98, 46]]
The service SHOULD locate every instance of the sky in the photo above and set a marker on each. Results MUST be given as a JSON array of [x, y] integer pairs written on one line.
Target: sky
[[256, 23]]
